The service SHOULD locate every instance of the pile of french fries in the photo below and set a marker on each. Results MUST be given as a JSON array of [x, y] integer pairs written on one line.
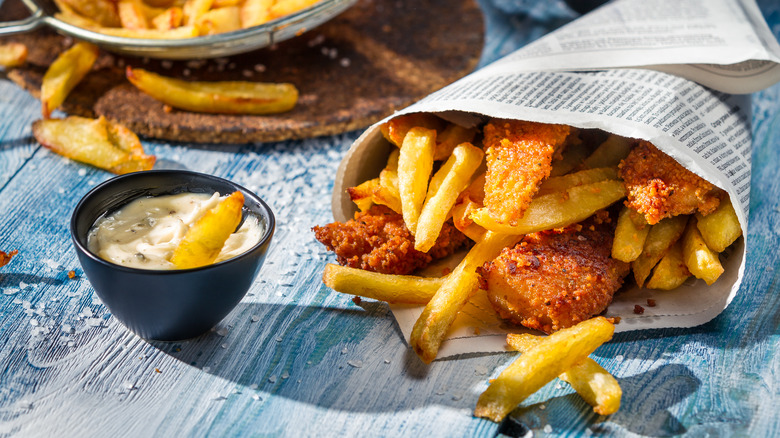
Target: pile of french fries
[[583, 182], [173, 19], [12, 55]]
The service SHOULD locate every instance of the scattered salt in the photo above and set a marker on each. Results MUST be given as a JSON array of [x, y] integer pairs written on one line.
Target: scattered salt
[[218, 397], [344, 350], [547, 428], [23, 285], [285, 375], [82, 172], [480, 370], [387, 360], [206, 369], [256, 397], [255, 318], [345, 62], [253, 386], [223, 346], [10, 291], [129, 386], [222, 331], [34, 322], [272, 379], [279, 339], [67, 328], [542, 407], [456, 397], [355, 363], [619, 357]]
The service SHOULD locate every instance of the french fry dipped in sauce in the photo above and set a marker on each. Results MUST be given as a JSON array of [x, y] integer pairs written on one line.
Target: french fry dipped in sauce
[[204, 240], [229, 97]]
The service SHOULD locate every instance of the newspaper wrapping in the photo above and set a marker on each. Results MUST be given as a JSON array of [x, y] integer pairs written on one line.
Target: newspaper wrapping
[[673, 73]]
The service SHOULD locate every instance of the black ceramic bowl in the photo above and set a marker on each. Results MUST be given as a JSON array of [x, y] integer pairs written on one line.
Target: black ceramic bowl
[[173, 304]]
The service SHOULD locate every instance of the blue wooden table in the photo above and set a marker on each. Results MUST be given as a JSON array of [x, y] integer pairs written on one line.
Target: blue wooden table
[[296, 359]]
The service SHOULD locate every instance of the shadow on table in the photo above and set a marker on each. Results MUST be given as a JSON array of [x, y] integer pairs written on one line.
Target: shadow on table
[[648, 395], [17, 142], [317, 355]]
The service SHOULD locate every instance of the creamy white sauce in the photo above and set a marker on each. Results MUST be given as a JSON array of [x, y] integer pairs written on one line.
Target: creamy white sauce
[[144, 233]]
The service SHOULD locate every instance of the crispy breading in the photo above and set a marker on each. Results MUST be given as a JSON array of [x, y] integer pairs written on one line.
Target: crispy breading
[[519, 156], [377, 240], [555, 279], [660, 187], [6, 257]]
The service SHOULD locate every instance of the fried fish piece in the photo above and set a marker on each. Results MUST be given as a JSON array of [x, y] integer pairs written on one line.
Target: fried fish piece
[[556, 279], [6, 257], [660, 187], [377, 240], [519, 156]]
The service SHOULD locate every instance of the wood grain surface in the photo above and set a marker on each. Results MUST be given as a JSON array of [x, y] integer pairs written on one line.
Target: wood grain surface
[[377, 57], [296, 359]]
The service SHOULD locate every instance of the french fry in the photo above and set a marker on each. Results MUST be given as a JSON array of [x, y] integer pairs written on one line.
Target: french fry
[[64, 74], [131, 14], [255, 12], [445, 186], [178, 33], [566, 182], [12, 54], [630, 234], [395, 130], [5, 257], [220, 20], [362, 195], [572, 158], [280, 8], [699, 258], [536, 367], [216, 97], [721, 227], [671, 271], [395, 289], [609, 153], [103, 12], [204, 240], [94, 141], [194, 9], [437, 317], [659, 239], [168, 19], [469, 201], [449, 138], [556, 210], [415, 163], [224, 3], [591, 381]]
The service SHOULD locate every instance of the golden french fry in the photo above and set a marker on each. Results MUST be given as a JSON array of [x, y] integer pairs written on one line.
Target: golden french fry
[[609, 153], [395, 130], [445, 187], [437, 317], [94, 141], [224, 3], [6, 257], [154, 34], [659, 239], [220, 20], [699, 258], [721, 227], [566, 182], [216, 97], [194, 9], [630, 235], [204, 240], [397, 289], [68, 16], [280, 8], [533, 369], [449, 138], [415, 163], [131, 14], [255, 12], [64, 74], [671, 271], [103, 12], [469, 201], [572, 158], [361, 194], [556, 210], [592, 382], [12, 54], [168, 19]]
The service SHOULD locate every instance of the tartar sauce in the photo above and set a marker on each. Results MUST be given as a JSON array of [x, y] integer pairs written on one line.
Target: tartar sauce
[[144, 233]]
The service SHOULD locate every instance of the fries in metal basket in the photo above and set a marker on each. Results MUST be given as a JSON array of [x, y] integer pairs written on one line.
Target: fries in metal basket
[[552, 356], [591, 381]]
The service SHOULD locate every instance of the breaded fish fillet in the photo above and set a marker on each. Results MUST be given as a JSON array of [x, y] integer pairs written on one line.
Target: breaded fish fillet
[[519, 156], [555, 279], [377, 240], [660, 187]]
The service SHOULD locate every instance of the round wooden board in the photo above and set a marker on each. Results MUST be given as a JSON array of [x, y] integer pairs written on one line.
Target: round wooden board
[[375, 58]]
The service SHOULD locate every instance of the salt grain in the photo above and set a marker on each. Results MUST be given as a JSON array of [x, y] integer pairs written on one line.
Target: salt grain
[[222, 331], [345, 62], [279, 339], [619, 357], [34, 322], [10, 291], [547, 428], [255, 318], [355, 363], [82, 172], [456, 397], [256, 397], [253, 386], [272, 379], [285, 375], [480, 370]]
